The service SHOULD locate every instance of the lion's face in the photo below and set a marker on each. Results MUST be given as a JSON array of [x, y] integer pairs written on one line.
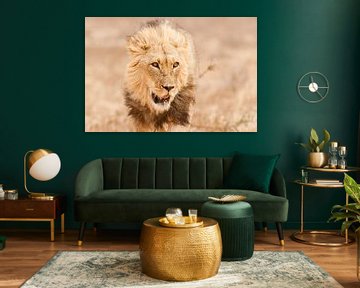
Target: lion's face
[[165, 73], [159, 68]]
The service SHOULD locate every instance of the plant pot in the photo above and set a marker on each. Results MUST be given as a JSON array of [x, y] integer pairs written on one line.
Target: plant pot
[[317, 159]]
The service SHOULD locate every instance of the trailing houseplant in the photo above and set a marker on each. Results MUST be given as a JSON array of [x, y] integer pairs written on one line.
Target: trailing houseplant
[[317, 157]]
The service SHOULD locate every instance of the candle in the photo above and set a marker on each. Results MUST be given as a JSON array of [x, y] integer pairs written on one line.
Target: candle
[[342, 149], [333, 144]]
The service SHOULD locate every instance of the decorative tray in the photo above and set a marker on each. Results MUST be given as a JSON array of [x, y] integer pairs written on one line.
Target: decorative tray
[[228, 198], [165, 222]]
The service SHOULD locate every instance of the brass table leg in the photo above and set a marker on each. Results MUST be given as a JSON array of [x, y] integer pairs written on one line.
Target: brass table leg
[[346, 230], [302, 210], [296, 236]]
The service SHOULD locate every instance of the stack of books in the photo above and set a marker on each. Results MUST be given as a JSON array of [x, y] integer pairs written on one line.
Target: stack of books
[[327, 181]]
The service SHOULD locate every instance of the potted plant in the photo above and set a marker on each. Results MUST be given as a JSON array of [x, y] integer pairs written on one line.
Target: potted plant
[[317, 157], [350, 214]]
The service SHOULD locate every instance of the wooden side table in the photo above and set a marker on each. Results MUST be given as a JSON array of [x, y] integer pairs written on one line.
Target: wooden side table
[[26, 209]]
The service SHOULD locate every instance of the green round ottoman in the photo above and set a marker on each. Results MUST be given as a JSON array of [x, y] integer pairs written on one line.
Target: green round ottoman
[[236, 221]]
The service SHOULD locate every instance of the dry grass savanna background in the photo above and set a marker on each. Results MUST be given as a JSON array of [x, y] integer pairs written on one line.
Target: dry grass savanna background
[[226, 94]]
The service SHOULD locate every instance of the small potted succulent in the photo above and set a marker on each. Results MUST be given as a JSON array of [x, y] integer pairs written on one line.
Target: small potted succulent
[[317, 157]]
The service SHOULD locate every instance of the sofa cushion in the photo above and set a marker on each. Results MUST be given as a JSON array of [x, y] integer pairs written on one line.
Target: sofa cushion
[[164, 173], [251, 172], [266, 206]]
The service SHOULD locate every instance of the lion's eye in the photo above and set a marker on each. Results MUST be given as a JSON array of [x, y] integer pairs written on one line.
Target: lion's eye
[[155, 64], [176, 64]]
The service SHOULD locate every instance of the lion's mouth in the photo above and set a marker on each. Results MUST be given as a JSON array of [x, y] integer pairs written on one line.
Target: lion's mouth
[[160, 100]]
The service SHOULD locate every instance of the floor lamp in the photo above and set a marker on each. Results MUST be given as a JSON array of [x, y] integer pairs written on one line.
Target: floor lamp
[[42, 165]]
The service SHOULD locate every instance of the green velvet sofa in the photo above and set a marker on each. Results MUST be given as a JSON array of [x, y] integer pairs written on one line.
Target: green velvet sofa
[[130, 190]]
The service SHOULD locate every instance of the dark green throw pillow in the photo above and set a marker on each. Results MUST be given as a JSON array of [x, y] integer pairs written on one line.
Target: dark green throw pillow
[[251, 172]]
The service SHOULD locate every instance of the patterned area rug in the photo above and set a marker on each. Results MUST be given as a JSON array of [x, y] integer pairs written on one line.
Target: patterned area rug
[[122, 269]]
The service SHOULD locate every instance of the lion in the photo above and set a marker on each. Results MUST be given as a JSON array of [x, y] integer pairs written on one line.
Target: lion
[[159, 80]]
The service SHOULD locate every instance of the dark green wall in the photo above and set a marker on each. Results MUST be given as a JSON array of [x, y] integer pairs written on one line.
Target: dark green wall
[[42, 88]]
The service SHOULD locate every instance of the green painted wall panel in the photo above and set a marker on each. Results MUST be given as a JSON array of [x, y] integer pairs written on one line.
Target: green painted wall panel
[[42, 88]]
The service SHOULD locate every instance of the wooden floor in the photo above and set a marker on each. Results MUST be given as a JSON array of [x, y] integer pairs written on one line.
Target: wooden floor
[[28, 250]]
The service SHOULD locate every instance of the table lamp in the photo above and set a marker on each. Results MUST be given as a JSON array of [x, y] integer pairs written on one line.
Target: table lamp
[[43, 165]]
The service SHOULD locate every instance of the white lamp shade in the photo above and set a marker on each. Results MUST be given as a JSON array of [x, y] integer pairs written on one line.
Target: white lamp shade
[[46, 168]]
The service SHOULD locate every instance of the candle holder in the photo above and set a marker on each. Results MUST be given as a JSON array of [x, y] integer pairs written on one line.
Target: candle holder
[[333, 162], [304, 176], [342, 153]]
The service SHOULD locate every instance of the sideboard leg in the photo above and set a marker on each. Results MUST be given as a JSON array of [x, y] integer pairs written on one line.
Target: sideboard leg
[[52, 230], [62, 223]]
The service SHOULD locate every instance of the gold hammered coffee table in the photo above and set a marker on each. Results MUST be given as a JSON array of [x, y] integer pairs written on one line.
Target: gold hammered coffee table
[[180, 254]]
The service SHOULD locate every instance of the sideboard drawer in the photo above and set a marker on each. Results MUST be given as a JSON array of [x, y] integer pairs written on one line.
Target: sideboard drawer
[[28, 209]]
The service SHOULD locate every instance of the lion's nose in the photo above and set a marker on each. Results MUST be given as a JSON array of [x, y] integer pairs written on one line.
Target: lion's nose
[[167, 88]]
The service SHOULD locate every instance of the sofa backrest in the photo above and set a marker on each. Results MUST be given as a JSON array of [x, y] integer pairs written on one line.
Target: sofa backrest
[[164, 173]]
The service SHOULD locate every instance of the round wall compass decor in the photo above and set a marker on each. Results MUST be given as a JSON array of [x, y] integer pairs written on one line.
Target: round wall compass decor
[[313, 87]]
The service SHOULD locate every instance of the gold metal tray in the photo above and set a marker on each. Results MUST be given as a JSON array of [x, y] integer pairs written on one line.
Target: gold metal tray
[[228, 198], [165, 222]]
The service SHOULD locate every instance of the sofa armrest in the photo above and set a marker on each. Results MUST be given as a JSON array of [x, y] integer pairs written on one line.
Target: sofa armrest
[[277, 184], [89, 179]]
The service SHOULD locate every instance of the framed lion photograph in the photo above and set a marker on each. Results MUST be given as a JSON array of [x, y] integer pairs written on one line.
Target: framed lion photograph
[[171, 74]]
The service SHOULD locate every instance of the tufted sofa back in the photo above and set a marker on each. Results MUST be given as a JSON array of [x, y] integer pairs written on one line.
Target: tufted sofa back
[[164, 173]]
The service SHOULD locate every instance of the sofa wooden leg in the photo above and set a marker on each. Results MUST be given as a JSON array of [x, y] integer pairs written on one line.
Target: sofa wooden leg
[[280, 233], [81, 233], [265, 227]]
